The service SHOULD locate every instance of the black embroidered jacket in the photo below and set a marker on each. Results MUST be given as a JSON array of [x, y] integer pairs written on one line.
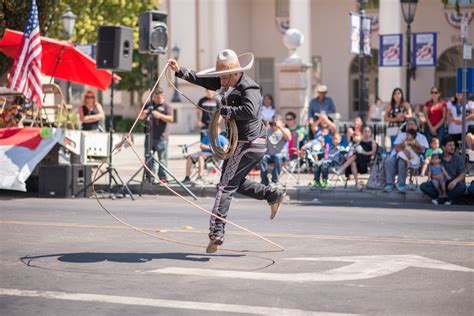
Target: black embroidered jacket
[[242, 104]]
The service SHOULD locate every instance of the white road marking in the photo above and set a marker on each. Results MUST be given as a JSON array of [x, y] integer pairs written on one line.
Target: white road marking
[[127, 300], [363, 267]]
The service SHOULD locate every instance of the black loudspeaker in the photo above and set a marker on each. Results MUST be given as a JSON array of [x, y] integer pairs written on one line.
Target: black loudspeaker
[[152, 32], [115, 48], [64, 181], [81, 177]]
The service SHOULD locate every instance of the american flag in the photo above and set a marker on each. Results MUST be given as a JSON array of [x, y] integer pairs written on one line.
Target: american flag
[[25, 76]]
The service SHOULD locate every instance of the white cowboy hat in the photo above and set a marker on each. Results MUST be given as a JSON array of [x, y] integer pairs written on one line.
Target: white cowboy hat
[[228, 63], [322, 88]]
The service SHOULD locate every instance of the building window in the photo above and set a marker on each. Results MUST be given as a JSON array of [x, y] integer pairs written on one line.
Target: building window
[[265, 75], [372, 4], [282, 8], [451, 4], [371, 81]]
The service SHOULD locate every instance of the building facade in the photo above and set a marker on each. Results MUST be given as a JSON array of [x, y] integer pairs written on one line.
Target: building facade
[[200, 28]]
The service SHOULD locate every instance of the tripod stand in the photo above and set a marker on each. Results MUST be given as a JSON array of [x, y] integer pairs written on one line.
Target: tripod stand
[[150, 159], [110, 170]]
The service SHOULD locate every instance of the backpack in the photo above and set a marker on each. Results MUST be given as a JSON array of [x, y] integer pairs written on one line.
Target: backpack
[[377, 174]]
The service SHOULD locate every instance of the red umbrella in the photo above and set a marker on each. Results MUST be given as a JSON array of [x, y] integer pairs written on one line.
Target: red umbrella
[[61, 60]]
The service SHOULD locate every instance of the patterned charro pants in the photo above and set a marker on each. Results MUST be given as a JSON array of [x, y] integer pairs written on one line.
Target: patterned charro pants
[[233, 179]]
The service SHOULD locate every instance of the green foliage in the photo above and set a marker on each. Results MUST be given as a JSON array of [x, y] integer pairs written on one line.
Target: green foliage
[[123, 125], [90, 15]]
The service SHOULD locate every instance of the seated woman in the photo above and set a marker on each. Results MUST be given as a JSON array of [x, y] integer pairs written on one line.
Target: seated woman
[[363, 151], [91, 112]]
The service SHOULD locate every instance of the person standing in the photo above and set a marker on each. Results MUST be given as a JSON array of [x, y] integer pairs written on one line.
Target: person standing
[[91, 112], [240, 102], [376, 111], [161, 115], [396, 113], [435, 113], [267, 110], [203, 117], [320, 104]]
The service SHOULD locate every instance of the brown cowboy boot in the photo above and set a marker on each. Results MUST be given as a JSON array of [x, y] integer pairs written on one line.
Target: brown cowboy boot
[[214, 243], [276, 205]]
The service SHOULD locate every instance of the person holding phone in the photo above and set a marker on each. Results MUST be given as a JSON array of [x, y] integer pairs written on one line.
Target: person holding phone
[[277, 150]]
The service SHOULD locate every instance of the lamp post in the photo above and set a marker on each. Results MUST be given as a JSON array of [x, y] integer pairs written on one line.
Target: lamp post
[[408, 10], [69, 19], [362, 90], [176, 97]]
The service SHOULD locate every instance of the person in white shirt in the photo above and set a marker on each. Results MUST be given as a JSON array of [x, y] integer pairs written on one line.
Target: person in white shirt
[[455, 120], [470, 126], [455, 117], [267, 111], [395, 165]]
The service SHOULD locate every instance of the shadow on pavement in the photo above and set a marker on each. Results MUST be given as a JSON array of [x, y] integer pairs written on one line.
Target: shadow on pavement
[[93, 257]]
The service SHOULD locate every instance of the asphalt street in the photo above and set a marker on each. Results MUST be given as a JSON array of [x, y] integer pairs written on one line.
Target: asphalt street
[[69, 257]]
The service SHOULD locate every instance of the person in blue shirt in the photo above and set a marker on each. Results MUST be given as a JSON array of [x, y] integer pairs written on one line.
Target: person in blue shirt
[[333, 156], [320, 104], [201, 156]]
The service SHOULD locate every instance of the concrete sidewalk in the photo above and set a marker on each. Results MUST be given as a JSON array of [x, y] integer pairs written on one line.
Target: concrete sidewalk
[[297, 187]]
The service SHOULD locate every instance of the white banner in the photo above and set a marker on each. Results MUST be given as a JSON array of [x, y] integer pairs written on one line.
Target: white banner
[[21, 149], [355, 25]]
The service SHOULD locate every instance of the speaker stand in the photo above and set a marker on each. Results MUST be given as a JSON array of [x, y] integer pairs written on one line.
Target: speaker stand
[[114, 176], [150, 159]]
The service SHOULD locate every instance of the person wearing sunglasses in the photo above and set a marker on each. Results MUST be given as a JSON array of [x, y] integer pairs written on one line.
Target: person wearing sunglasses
[[435, 113], [91, 112]]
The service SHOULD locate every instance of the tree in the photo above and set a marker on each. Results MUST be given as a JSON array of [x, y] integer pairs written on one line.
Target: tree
[[13, 15], [90, 15]]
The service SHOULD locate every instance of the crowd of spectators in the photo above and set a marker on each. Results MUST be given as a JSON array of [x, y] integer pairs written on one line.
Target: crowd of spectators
[[422, 140], [416, 134]]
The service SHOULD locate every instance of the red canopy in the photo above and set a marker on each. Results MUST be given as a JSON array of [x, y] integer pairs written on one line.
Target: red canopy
[[61, 60]]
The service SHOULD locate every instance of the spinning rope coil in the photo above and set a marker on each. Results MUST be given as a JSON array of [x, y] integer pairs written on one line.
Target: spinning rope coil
[[223, 154]]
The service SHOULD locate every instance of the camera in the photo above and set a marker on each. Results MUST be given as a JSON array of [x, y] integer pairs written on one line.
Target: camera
[[272, 123]]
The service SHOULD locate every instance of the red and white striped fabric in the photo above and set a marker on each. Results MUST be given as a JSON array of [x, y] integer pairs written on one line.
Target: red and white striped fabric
[[25, 76]]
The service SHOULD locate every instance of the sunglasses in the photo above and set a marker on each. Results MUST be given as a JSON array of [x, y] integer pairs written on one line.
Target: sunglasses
[[89, 97], [434, 92]]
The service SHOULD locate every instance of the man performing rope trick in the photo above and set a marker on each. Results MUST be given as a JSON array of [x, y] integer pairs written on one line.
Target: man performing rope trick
[[240, 103]]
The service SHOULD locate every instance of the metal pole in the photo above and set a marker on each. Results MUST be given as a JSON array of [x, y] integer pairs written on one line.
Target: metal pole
[[111, 128], [407, 92], [464, 102], [467, 51], [361, 60]]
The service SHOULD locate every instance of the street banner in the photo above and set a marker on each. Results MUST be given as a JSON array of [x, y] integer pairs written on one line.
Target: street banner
[[367, 27], [355, 25], [424, 49], [355, 32], [391, 50], [21, 149]]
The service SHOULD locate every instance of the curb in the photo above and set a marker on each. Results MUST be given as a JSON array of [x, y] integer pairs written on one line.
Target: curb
[[297, 193]]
